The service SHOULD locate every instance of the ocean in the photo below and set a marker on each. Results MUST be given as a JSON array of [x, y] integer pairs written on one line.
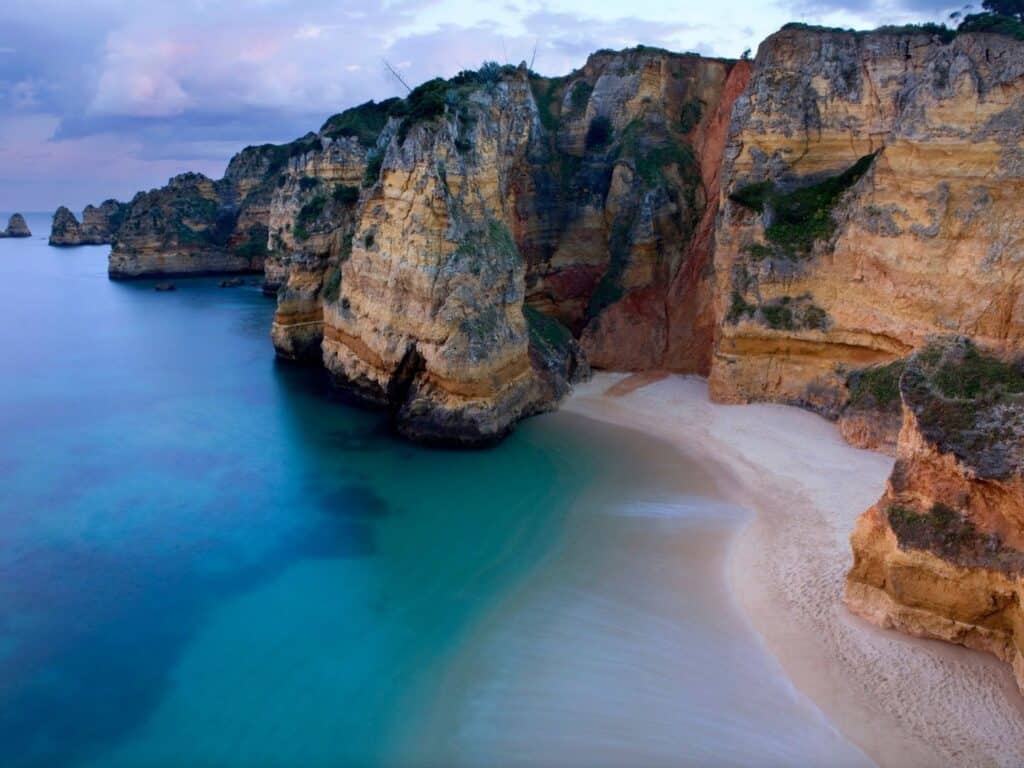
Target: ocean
[[206, 559]]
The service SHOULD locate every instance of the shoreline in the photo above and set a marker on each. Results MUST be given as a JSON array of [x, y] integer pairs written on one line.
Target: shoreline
[[901, 700]]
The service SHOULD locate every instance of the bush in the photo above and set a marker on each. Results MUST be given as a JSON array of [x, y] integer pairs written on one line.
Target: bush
[[332, 284], [804, 216], [877, 387], [345, 194], [374, 161], [307, 215], [690, 115], [364, 122]]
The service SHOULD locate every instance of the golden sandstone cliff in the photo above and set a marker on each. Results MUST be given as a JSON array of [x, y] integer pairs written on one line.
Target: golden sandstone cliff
[[942, 553], [835, 225]]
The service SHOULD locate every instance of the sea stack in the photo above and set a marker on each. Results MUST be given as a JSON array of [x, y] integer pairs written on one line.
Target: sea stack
[[16, 227], [98, 226]]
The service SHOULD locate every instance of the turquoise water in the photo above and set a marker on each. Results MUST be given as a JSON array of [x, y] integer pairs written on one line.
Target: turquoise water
[[204, 560]]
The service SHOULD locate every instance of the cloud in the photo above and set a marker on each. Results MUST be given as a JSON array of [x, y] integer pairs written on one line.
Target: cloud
[[141, 88]]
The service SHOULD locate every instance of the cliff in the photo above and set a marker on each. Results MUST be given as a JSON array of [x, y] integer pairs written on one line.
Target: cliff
[[196, 225], [98, 225], [16, 227], [942, 552], [409, 239], [871, 199]]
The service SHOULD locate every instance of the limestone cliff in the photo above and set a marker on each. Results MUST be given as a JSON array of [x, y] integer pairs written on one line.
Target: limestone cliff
[[16, 227], [426, 311], [942, 553], [196, 225], [98, 225], [871, 199], [312, 218]]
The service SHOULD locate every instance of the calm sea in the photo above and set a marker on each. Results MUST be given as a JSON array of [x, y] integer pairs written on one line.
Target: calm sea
[[205, 560]]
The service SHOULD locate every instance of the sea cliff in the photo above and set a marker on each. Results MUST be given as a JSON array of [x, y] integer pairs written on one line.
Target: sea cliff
[[808, 228]]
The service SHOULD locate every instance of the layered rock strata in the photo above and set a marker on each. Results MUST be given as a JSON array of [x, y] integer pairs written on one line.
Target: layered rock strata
[[871, 200], [942, 552], [16, 227]]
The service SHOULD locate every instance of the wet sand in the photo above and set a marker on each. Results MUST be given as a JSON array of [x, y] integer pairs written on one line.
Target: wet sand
[[903, 701], [625, 645]]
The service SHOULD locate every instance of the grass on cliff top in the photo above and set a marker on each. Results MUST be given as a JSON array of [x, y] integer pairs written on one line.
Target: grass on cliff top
[[801, 217], [877, 387], [976, 375], [364, 122], [992, 23]]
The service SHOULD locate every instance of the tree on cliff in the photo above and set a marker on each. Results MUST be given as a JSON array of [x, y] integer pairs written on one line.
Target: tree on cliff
[[1012, 8]]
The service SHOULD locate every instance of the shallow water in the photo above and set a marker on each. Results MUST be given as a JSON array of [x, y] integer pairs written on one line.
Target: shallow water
[[205, 560]]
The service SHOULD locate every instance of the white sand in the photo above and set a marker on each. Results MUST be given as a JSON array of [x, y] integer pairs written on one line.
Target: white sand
[[905, 702]]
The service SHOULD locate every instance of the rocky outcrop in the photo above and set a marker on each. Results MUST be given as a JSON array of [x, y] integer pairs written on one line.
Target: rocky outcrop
[[16, 227], [98, 225], [428, 316], [196, 225], [871, 200], [942, 553], [313, 216]]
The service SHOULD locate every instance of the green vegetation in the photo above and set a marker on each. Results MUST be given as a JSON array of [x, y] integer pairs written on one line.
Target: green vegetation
[[332, 284], [941, 530], [689, 116], [346, 248], [374, 161], [651, 164], [544, 92], [546, 333], [977, 375], [877, 387], [368, 240], [993, 23], [802, 217], [599, 134], [255, 245], [579, 97], [345, 194], [364, 122], [425, 102], [739, 308], [308, 214], [307, 183]]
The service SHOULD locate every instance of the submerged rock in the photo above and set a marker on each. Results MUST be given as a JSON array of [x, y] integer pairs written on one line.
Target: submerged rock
[[234, 282], [164, 287], [16, 227]]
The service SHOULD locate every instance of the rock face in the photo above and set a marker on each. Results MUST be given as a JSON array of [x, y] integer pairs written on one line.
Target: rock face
[[313, 215], [409, 239], [942, 553], [872, 200], [425, 314], [16, 227], [196, 225], [99, 223]]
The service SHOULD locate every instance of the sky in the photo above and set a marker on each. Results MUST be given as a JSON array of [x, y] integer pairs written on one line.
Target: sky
[[102, 98]]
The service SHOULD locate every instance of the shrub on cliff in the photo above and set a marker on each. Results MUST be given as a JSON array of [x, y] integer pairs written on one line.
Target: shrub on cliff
[[797, 219]]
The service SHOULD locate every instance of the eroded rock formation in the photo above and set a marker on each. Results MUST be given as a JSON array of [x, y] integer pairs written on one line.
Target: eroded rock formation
[[98, 225], [873, 185], [942, 552], [16, 227]]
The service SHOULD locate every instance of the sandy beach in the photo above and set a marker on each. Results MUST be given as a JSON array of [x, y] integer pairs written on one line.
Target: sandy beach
[[904, 702]]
